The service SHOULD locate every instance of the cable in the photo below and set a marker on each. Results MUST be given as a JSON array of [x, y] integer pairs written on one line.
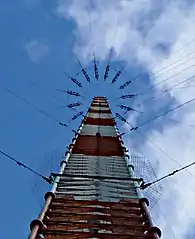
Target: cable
[[169, 89], [166, 79], [162, 150], [162, 114], [48, 180], [37, 84], [154, 86], [36, 108], [144, 186], [173, 63], [111, 50], [168, 224], [96, 73], [151, 142], [74, 80], [176, 51]]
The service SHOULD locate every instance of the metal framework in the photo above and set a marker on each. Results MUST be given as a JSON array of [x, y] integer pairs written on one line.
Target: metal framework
[[95, 194]]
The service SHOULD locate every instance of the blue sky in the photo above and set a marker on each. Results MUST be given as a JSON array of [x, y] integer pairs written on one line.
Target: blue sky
[[42, 39]]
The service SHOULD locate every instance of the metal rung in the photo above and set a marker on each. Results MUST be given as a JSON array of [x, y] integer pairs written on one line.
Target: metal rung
[[96, 177]]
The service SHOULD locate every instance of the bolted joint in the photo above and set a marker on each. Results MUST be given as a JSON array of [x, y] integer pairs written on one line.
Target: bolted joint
[[119, 136], [66, 153], [122, 142], [141, 200], [131, 166], [127, 156], [62, 162], [36, 222], [124, 148], [98, 134], [70, 146], [73, 139], [49, 194], [155, 230]]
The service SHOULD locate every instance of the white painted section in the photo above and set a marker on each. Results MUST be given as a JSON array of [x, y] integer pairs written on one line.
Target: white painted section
[[101, 115], [103, 130], [101, 104], [103, 190]]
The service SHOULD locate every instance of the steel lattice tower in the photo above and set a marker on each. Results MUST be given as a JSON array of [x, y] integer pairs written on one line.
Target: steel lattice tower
[[95, 194]]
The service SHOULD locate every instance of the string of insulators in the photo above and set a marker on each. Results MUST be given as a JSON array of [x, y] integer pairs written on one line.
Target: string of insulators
[[96, 69], [125, 85], [36, 108], [127, 108], [69, 92], [127, 96], [74, 105], [124, 107], [84, 73], [122, 118], [106, 72], [117, 76], [77, 115], [125, 121], [73, 93], [76, 82]]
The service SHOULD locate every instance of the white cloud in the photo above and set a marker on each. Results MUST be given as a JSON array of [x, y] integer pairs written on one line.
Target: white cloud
[[36, 50], [118, 24]]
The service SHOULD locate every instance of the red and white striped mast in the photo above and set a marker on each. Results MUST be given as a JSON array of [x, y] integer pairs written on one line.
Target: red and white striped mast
[[95, 194]]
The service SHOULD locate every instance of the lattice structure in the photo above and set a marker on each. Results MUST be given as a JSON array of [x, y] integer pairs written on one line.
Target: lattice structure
[[95, 194]]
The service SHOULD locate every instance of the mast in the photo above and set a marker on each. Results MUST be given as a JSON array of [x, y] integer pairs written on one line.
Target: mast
[[95, 194]]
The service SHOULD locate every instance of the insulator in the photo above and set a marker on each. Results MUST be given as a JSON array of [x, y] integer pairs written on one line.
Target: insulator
[[96, 72], [77, 115], [74, 105], [116, 77], [124, 107], [120, 117], [106, 72], [76, 82], [127, 96], [73, 93], [124, 85], [86, 75]]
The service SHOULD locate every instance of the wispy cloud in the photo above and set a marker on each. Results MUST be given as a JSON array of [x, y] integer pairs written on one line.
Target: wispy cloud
[[36, 50], [154, 34]]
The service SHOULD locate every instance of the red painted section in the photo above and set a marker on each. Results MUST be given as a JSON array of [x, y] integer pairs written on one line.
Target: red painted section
[[93, 121], [98, 146], [98, 111]]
